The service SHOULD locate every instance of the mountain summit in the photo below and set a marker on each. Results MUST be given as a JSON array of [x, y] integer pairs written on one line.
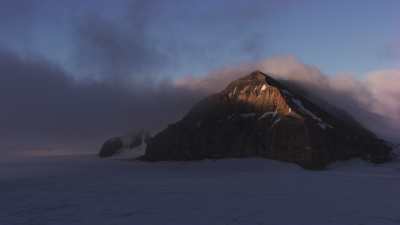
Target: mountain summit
[[259, 116]]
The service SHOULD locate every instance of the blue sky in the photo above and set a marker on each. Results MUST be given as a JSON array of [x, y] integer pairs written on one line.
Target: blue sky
[[336, 36]]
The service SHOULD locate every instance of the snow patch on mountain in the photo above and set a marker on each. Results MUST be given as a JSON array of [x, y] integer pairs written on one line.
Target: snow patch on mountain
[[266, 114], [264, 87]]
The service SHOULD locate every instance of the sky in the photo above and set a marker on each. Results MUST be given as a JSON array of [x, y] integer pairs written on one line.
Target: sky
[[337, 36], [79, 71]]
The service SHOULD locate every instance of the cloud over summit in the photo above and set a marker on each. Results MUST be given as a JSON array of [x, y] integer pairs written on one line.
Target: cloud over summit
[[372, 100]]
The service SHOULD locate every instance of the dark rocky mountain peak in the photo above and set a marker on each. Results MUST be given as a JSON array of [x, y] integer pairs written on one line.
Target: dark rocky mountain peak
[[259, 116]]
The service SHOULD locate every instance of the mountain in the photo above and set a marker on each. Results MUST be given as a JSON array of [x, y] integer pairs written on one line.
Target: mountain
[[259, 116]]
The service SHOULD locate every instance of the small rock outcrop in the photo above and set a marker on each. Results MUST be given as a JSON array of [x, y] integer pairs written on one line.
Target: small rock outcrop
[[116, 145], [111, 147], [259, 116]]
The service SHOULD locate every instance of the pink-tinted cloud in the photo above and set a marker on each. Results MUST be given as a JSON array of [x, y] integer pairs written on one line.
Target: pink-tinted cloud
[[385, 87]]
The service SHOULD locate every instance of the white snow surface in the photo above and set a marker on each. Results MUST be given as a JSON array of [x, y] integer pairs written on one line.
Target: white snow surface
[[321, 123], [277, 120], [271, 113], [82, 189], [264, 87], [301, 106]]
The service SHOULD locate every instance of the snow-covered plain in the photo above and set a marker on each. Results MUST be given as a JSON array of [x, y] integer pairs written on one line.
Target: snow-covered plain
[[82, 189]]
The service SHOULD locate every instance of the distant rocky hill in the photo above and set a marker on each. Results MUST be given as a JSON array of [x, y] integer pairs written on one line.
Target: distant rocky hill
[[259, 116], [123, 144]]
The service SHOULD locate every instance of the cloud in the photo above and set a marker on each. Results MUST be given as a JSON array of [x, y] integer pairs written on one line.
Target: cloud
[[44, 107], [384, 87], [152, 39], [122, 50], [373, 100], [115, 80], [122, 58]]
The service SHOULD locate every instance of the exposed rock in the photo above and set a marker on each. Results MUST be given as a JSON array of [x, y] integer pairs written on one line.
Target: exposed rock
[[258, 116], [111, 147], [129, 142]]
